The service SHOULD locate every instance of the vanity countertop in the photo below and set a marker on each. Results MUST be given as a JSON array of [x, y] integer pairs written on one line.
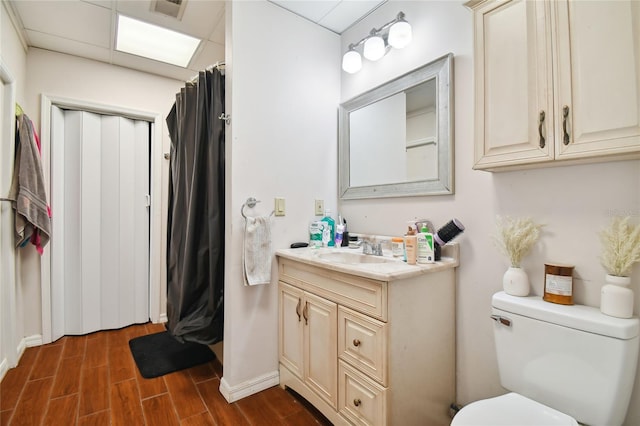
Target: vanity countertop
[[389, 269]]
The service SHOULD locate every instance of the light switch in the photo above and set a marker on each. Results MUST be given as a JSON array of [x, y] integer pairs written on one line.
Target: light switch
[[279, 208], [319, 207]]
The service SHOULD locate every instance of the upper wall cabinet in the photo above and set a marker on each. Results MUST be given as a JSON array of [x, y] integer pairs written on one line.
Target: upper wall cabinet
[[556, 82]]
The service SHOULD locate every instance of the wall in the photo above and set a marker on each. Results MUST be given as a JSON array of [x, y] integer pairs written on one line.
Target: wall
[[574, 202], [13, 56], [283, 89], [61, 75]]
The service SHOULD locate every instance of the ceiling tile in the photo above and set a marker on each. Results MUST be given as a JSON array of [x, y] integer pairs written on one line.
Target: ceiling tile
[[71, 47], [347, 13], [209, 54], [198, 19], [313, 10], [73, 20]]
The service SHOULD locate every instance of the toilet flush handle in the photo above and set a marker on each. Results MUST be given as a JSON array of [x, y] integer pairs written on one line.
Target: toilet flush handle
[[502, 320]]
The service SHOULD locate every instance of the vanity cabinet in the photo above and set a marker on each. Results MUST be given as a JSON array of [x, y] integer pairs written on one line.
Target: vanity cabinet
[[556, 82], [308, 343], [368, 351]]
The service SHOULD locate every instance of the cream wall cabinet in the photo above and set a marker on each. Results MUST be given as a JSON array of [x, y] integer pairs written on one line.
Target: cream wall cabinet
[[368, 351], [556, 82]]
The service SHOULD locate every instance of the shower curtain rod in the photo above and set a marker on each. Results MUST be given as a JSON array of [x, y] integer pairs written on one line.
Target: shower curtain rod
[[219, 65]]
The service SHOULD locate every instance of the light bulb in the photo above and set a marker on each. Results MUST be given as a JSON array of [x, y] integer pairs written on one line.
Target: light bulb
[[400, 34], [374, 48], [351, 62]]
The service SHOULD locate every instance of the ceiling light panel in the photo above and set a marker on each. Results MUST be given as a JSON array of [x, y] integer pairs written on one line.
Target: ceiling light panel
[[154, 42]]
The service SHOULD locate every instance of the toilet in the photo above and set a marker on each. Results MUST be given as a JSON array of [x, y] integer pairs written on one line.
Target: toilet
[[564, 365]]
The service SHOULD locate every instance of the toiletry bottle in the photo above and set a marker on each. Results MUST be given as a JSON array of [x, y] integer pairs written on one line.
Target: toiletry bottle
[[425, 246], [315, 234], [339, 235], [331, 224], [345, 234], [410, 242], [397, 246]]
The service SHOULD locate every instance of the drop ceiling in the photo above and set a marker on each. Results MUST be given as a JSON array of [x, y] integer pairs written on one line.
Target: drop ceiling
[[86, 28]]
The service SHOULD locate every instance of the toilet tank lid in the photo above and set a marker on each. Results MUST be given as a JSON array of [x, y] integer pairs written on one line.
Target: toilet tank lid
[[580, 317]]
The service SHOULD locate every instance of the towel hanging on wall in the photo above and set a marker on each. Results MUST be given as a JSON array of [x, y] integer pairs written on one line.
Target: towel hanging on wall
[[256, 254]]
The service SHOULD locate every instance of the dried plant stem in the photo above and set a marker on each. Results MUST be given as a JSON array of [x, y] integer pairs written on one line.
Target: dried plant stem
[[515, 237], [620, 246]]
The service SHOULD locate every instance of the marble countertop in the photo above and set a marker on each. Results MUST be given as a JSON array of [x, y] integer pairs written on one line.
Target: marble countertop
[[390, 269]]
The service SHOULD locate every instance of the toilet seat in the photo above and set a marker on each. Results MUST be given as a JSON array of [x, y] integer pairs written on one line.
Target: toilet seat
[[508, 410]]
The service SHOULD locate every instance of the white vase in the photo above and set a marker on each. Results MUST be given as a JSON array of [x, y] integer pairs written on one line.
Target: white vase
[[616, 298], [516, 282]]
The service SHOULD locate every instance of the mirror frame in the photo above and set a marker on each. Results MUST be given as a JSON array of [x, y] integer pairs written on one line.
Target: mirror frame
[[442, 70]]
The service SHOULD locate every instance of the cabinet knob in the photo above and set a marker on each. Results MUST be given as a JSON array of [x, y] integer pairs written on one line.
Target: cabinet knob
[[356, 342], [357, 402]]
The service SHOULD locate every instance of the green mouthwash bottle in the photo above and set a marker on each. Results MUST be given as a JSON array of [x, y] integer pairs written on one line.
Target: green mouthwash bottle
[[331, 224]]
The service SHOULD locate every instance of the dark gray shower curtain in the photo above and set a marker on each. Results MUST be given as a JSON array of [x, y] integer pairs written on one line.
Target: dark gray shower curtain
[[195, 228]]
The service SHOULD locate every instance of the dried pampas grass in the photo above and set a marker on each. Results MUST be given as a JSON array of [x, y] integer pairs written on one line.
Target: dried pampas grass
[[620, 246], [515, 237]]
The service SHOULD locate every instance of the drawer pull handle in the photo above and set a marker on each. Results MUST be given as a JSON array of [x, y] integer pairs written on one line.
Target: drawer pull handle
[[540, 124], [357, 402], [356, 342], [565, 114], [298, 309]]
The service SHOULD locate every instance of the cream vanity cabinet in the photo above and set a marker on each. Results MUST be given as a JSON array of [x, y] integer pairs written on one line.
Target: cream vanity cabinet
[[368, 349], [556, 81]]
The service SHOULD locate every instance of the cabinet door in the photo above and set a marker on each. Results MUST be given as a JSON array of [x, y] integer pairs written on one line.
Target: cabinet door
[[291, 325], [598, 77], [320, 345], [514, 121]]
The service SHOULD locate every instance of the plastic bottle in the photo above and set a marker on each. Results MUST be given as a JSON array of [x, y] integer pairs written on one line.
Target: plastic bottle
[[331, 224], [410, 242], [425, 246], [397, 246], [315, 234], [339, 235]]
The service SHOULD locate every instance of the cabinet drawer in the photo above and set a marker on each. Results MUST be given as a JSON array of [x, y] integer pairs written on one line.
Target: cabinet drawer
[[361, 294], [361, 400], [362, 342]]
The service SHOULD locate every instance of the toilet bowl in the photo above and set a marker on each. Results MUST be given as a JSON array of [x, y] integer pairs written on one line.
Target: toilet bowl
[[509, 410]]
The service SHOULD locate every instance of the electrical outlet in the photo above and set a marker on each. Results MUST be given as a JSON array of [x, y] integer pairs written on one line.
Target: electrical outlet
[[319, 206]]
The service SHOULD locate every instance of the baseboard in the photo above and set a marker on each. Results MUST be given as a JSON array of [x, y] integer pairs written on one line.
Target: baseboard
[[27, 342], [4, 367], [30, 342], [163, 318], [260, 383]]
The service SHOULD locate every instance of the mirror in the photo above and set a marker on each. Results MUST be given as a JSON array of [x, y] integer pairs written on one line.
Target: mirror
[[397, 140]]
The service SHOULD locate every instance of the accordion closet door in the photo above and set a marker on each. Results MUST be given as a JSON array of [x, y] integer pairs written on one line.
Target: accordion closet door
[[100, 206]]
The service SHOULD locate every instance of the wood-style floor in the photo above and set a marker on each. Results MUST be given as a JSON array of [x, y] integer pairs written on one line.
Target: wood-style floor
[[93, 380]]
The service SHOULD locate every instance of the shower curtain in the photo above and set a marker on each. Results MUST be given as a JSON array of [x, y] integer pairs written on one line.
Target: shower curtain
[[195, 228]]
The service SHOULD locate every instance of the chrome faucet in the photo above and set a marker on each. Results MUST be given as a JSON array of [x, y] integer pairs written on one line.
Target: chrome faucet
[[372, 247]]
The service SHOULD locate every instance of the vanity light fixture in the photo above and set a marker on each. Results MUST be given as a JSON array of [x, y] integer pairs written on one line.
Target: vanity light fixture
[[396, 33]]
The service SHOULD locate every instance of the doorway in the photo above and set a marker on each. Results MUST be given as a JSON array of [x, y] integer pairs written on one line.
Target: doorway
[[103, 269]]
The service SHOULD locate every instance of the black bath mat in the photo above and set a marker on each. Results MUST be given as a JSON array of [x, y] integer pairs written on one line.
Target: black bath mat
[[159, 354]]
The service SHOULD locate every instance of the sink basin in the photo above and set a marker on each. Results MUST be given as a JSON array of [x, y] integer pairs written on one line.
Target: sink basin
[[353, 258]]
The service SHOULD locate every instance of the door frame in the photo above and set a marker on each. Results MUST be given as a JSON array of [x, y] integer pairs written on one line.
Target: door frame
[[155, 212], [9, 354]]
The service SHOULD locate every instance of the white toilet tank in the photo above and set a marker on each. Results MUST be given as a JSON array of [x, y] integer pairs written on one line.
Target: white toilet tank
[[571, 358]]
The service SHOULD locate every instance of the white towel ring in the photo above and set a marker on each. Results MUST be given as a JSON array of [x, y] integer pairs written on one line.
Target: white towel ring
[[251, 203]]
